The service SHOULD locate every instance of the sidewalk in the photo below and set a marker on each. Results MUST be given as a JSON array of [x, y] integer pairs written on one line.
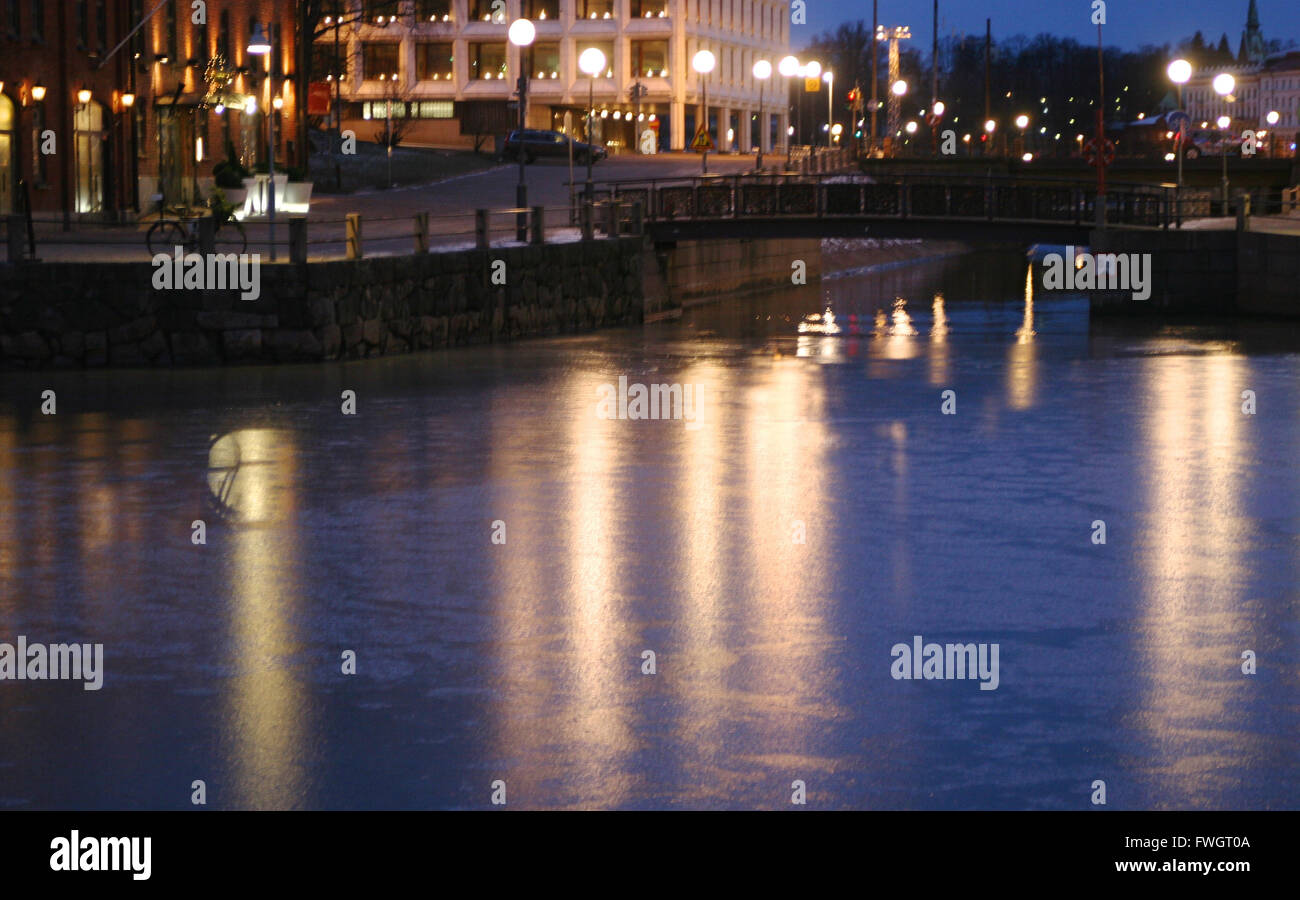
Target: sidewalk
[[450, 204]]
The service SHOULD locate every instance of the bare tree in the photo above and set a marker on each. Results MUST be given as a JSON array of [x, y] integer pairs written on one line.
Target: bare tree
[[318, 19]]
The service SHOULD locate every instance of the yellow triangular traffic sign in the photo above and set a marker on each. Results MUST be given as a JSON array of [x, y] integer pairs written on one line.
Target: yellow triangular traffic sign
[[703, 141]]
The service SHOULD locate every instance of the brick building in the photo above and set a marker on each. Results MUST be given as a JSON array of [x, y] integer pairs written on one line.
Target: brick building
[[65, 128], [206, 95], [151, 118]]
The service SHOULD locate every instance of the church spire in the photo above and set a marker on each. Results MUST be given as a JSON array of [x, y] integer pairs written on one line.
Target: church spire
[[1252, 39]]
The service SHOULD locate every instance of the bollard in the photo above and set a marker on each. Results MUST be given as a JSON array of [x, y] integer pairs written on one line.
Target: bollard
[[611, 218], [207, 234], [588, 226], [481, 236], [14, 230], [422, 232], [298, 239], [539, 224], [354, 235]]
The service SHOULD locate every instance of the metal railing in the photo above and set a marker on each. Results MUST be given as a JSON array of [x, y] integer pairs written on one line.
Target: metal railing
[[998, 198], [352, 237]]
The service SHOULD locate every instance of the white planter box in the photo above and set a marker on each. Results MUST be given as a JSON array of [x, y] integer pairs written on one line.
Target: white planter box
[[297, 197], [257, 203]]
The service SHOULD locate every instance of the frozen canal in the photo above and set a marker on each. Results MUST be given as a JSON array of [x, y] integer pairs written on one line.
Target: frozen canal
[[522, 661]]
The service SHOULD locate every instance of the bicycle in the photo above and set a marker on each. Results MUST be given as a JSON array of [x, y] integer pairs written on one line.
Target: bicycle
[[183, 230]]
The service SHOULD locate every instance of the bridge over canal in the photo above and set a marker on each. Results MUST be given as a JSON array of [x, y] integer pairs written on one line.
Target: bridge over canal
[[999, 208]]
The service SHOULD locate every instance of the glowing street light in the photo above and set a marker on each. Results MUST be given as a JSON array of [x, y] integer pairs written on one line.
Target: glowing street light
[[591, 62], [1180, 72], [703, 63], [522, 33]]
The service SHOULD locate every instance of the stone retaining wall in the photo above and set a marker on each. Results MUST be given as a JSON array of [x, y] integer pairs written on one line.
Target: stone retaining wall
[[1222, 272], [109, 314]]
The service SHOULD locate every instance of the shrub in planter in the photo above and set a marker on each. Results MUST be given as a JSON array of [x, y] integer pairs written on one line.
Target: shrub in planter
[[229, 174]]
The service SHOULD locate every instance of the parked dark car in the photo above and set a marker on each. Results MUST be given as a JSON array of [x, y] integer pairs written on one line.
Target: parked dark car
[[539, 144]]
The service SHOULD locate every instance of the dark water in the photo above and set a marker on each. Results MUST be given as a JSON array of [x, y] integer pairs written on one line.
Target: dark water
[[522, 661]]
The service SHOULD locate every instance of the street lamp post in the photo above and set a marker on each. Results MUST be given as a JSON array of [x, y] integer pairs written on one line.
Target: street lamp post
[[989, 127], [1180, 72], [1022, 122], [762, 71], [591, 62], [258, 45], [788, 67], [1224, 122], [812, 70], [829, 77], [703, 63], [521, 34], [1223, 86]]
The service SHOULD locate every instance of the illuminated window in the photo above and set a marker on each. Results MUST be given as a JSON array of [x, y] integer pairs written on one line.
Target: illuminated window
[[434, 62], [487, 61], [544, 61], [379, 61], [649, 59]]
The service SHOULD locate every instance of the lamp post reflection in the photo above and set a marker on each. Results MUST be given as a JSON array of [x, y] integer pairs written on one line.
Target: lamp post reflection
[[253, 482]]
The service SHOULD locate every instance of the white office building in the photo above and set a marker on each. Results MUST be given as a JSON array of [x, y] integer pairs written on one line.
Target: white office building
[[448, 68]]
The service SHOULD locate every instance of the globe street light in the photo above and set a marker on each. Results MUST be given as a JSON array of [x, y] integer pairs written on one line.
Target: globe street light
[[1272, 119], [1223, 85], [522, 33], [703, 63], [936, 117], [591, 62], [762, 71], [1022, 122], [1180, 72]]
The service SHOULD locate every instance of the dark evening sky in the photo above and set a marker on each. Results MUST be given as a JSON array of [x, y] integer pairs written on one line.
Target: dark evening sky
[[1129, 23]]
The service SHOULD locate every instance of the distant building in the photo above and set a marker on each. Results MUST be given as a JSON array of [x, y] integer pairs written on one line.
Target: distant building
[[448, 68], [1264, 85]]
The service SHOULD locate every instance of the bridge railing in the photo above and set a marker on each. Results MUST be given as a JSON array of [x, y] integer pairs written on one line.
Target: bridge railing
[[993, 198]]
